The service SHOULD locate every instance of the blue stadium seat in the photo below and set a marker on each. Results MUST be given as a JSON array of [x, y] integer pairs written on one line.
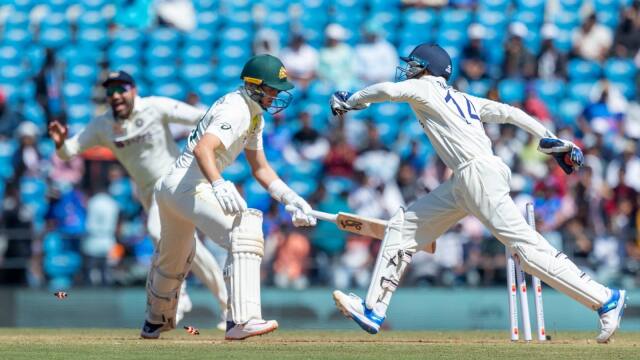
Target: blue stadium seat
[[479, 88], [531, 19], [569, 111], [46, 146], [133, 69], [255, 195], [579, 69], [237, 18], [164, 36], [533, 5], [563, 40], [7, 148], [174, 90], [208, 20], [93, 37], [617, 69], [159, 54], [61, 265], [566, 20], [452, 38], [82, 73], [495, 5], [606, 5], [79, 114], [571, 5], [124, 53], [237, 172], [205, 5], [338, 184], [228, 74], [627, 87], [608, 18], [10, 54], [194, 74], [304, 187], [91, 19], [233, 54], [52, 243], [492, 20], [17, 37], [160, 74], [12, 74], [195, 54], [457, 18], [550, 90], [580, 90], [511, 90], [17, 20], [76, 92], [208, 92], [32, 111], [236, 35], [94, 5], [126, 36]]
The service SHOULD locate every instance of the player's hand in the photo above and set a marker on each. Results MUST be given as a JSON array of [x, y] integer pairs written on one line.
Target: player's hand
[[299, 210], [228, 197], [339, 105], [58, 133], [567, 154]]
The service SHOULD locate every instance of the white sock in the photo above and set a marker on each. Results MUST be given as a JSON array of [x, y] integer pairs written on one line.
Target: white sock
[[380, 309]]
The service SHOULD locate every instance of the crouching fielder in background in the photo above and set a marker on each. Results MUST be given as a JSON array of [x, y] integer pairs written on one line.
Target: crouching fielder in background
[[479, 186], [193, 194]]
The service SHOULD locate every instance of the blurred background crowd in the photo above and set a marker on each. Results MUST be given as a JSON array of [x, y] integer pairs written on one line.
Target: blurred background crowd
[[570, 63]]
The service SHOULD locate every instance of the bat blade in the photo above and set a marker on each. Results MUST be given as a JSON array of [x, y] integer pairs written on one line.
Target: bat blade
[[361, 225]]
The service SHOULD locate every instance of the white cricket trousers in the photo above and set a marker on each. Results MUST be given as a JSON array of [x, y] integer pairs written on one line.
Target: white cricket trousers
[[480, 187], [204, 265]]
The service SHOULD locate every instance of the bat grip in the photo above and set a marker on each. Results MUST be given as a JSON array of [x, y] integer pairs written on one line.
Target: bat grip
[[317, 214]]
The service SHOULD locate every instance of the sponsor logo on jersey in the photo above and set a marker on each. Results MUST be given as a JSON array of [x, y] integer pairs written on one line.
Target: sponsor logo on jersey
[[225, 126]]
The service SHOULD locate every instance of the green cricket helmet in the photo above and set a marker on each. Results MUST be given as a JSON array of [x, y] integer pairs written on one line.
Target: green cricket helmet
[[267, 70]]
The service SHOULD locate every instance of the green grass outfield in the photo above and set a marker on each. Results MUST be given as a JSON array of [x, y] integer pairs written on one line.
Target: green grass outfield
[[103, 344]]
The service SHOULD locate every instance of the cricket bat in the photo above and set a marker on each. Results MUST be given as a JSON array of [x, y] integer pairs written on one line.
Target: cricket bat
[[360, 225]]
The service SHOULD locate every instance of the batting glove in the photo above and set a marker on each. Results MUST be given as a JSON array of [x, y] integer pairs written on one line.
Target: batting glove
[[299, 210], [228, 197], [339, 105], [567, 154]]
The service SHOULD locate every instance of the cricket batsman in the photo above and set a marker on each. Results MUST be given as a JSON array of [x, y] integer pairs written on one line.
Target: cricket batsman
[[136, 130], [194, 194], [453, 122]]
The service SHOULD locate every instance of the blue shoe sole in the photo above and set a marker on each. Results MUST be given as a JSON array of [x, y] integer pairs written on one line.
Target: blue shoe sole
[[364, 326]]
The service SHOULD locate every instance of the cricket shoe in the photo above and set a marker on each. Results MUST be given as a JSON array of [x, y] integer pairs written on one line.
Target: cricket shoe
[[152, 331], [184, 305], [253, 327], [353, 307], [611, 314]]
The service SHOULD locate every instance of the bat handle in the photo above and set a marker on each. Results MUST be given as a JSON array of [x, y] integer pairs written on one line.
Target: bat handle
[[317, 214]]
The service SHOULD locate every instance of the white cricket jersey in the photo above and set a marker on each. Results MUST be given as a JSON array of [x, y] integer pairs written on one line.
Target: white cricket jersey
[[451, 119], [237, 121], [142, 143]]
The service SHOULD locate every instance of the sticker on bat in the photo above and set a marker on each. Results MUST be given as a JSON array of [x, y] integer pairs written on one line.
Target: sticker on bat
[[351, 223]]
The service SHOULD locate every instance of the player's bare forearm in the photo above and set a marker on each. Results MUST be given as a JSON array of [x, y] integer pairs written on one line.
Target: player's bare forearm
[[204, 152], [260, 168]]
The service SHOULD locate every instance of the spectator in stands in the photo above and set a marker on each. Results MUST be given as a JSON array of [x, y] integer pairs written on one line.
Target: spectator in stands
[[592, 41], [518, 61], [407, 182], [301, 60], [626, 165], [266, 41], [27, 160], [551, 62], [17, 217], [100, 237], [473, 64], [627, 36], [292, 261], [335, 62], [9, 117], [339, 160], [353, 269], [308, 143], [49, 83], [67, 213], [599, 115], [376, 58]]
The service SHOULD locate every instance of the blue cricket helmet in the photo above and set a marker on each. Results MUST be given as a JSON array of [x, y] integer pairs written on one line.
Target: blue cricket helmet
[[427, 56]]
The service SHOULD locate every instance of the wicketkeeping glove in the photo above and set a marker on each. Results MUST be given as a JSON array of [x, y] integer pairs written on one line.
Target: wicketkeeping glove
[[567, 154], [339, 105], [228, 197]]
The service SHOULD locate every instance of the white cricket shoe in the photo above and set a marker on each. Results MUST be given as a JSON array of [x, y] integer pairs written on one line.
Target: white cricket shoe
[[611, 314], [253, 327], [353, 307], [184, 304]]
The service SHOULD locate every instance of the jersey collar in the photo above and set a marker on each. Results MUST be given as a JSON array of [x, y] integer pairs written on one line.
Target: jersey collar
[[254, 107]]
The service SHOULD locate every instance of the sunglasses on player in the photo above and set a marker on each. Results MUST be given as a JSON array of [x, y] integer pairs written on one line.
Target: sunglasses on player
[[118, 89]]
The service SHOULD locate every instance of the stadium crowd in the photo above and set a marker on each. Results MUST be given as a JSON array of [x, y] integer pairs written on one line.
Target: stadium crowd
[[571, 64]]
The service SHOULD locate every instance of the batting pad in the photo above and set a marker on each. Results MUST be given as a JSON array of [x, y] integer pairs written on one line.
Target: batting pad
[[163, 292], [242, 273], [556, 269], [394, 257]]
